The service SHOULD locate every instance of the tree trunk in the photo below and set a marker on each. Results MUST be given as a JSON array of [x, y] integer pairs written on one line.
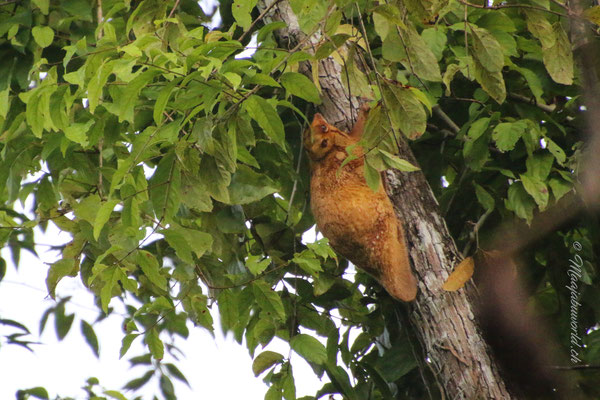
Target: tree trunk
[[444, 320]]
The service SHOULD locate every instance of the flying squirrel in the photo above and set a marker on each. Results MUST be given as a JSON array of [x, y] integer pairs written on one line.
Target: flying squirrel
[[359, 223]]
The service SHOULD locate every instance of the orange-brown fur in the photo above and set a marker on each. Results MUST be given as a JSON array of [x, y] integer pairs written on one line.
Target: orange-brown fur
[[360, 224]]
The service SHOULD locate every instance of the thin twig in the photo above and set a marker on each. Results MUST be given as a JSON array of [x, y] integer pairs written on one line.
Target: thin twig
[[100, 165], [245, 283], [100, 18], [525, 99], [474, 235], [383, 101], [574, 367], [500, 6], [260, 17], [293, 194], [174, 8], [437, 110]]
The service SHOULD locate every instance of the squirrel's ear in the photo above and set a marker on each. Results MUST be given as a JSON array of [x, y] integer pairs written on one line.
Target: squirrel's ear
[[318, 120], [359, 126]]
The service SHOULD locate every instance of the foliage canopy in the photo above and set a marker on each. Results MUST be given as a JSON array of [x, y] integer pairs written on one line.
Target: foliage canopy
[[136, 121]]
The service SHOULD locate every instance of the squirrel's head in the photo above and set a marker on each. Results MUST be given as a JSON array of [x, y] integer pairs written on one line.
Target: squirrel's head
[[320, 138]]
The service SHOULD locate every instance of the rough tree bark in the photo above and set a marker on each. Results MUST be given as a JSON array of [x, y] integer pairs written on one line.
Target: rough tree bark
[[444, 320]]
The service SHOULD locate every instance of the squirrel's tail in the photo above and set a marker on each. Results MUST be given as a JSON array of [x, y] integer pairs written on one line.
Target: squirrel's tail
[[397, 276]]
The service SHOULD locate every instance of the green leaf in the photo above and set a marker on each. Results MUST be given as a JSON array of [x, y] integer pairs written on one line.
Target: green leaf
[[97, 84], [382, 25], [44, 5], [179, 243], [406, 111], [534, 82], [393, 161], [242, 10], [62, 321], [322, 248], [539, 27], [137, 383], [378, 379], [90, 337], [412, 51], [484, 198], [396, 362], [556, 150], [162, 100], [164, 187], [228, 308], [115, 395], [274, 393], [110, 277], [103, 216], [372, 176], [520, 202], [267, 118], [393, 49], [299, 85], [37, 392], [149, 265], [257, 264], [248, 186], [268, 28], [476, 152], [127, 98], [309, 12], [4, 102], [539, 165], [391, 13], [593, 14], [265, 360], [487, 50], [126, 343], [78, 132], [559, 187], [215, 177], [155, 344], [558, 58], [491, 82], [33, 114], [268, 300], [309, 348], [57, 271], [308, 262], [420, 59], [289, 387], [262, 79], [506, 134], [43, 35], [176, 373], [536, 189]]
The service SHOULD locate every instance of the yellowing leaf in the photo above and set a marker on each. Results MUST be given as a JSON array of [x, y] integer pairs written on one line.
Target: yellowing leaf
[[593, 14], [558, 58], [461, 274]]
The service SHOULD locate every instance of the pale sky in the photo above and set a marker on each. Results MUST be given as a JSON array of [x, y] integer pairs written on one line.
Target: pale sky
[[210, 365]]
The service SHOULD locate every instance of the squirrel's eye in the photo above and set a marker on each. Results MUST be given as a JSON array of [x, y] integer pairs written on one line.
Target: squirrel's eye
[[324, 128], [324, 143]]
